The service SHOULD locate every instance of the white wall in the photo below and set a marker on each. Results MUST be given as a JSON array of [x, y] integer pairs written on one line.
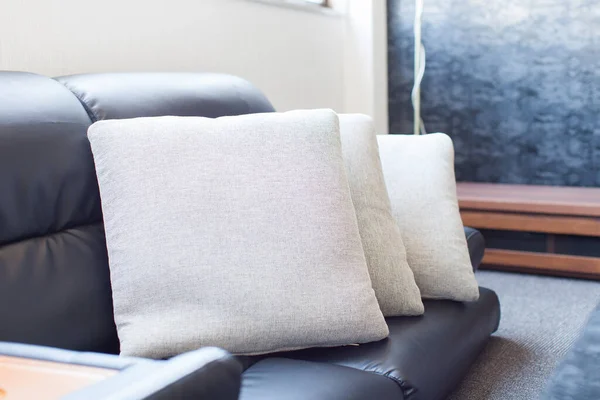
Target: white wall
[[299, 59], [365, 55], [295, 57]]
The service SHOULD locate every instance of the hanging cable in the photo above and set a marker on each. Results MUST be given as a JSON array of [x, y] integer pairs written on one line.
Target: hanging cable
[[419, 72]]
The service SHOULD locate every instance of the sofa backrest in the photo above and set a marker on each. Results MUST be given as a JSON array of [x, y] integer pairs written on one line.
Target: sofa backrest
[[54, 276]]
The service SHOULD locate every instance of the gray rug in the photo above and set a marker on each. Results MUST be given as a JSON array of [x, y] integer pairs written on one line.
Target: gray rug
[[541, 318]]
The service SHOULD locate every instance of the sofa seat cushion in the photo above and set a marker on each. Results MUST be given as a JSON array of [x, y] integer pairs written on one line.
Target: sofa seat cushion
[[285, 379], [427, 355]]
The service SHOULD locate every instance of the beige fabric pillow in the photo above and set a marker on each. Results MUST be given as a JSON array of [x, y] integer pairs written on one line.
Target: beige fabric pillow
[[419, 172], [236, 232], [392, 278]]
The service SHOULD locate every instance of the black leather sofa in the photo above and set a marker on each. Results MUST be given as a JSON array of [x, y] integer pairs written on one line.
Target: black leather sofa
[[54, 276]]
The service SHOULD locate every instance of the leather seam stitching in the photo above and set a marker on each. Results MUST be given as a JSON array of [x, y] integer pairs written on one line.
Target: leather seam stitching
[[49, 234], [407, 390], [91, 114]]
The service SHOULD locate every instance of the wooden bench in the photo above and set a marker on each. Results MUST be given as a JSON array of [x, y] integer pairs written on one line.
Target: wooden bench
[[556, 215]]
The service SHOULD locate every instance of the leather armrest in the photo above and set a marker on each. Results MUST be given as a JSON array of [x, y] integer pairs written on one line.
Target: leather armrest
[[476, 244], [207, 373]]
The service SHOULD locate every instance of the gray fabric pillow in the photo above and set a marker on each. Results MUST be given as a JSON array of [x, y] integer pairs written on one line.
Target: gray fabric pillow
[[419, 173], [392, 278], [236, 232]]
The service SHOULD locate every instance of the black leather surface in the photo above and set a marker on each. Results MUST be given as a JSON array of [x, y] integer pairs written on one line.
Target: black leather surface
[[46, 167], [129, 95], [55, 291], [427, 356], [54, 277], [476, 244], [284, 379]]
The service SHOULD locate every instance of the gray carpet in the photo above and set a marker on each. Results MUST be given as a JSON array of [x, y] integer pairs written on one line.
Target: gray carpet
[[541, 318]]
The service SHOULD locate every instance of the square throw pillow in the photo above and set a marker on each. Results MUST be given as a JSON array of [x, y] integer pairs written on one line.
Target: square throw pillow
[[392, 278], [419, 173], [236, 232]]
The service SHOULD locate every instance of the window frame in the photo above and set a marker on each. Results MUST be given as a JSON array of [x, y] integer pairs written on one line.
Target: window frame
[[322, 3], [320, 6]]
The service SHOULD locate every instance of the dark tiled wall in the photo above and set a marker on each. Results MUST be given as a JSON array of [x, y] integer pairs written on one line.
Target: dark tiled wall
[[515, 83]]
